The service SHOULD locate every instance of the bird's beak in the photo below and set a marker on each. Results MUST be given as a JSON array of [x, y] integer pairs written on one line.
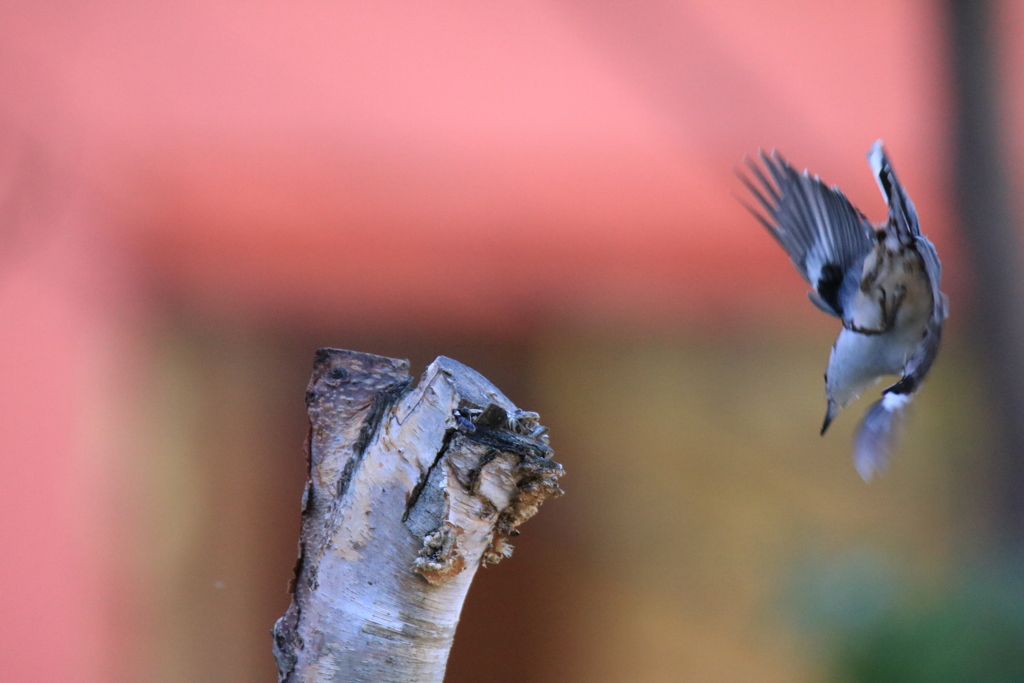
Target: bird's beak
[[831, 413]]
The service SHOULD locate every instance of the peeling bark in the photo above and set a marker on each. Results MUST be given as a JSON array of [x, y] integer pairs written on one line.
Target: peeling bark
[[409, 491]]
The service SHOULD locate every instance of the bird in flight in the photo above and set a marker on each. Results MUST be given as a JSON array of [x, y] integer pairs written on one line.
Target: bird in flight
[[881, 281]]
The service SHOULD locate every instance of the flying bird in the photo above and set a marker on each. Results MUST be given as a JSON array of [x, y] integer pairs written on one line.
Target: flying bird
[[881, 281]]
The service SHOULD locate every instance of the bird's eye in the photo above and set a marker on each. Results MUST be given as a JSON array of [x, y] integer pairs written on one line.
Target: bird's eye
[[338, 373]]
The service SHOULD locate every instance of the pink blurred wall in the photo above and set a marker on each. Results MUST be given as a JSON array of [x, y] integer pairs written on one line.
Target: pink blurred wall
[[272, 157]]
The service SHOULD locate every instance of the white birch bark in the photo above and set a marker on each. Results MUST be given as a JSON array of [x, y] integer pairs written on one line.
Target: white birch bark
[[410, 490]]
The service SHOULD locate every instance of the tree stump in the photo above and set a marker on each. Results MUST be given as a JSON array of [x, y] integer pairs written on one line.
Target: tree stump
[[409, 491]]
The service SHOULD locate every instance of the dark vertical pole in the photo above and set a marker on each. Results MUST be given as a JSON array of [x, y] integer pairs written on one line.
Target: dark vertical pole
[[993, 250]]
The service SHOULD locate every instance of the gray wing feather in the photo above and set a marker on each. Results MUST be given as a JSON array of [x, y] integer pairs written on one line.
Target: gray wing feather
[[902, 214], [825, 236], [933, 267]]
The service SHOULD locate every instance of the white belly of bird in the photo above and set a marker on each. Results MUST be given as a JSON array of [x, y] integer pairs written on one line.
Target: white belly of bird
[[859, 361]]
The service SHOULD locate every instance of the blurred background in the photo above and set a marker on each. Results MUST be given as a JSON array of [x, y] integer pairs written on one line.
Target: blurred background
[[194, 196]]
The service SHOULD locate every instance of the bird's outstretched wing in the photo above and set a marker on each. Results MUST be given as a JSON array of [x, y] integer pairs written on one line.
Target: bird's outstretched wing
[[825, 236]]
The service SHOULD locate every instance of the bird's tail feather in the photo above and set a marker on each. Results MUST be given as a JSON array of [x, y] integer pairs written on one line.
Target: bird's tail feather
[[878, 434]]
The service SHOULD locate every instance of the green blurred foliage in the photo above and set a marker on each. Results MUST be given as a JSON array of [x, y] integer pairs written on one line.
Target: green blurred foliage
[[973, 634]]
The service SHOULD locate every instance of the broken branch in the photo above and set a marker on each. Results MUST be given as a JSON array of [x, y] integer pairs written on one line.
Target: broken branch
[[409, 491]]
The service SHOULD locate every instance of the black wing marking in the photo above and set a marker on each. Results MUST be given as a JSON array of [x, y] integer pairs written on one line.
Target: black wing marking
[[825, 236]]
